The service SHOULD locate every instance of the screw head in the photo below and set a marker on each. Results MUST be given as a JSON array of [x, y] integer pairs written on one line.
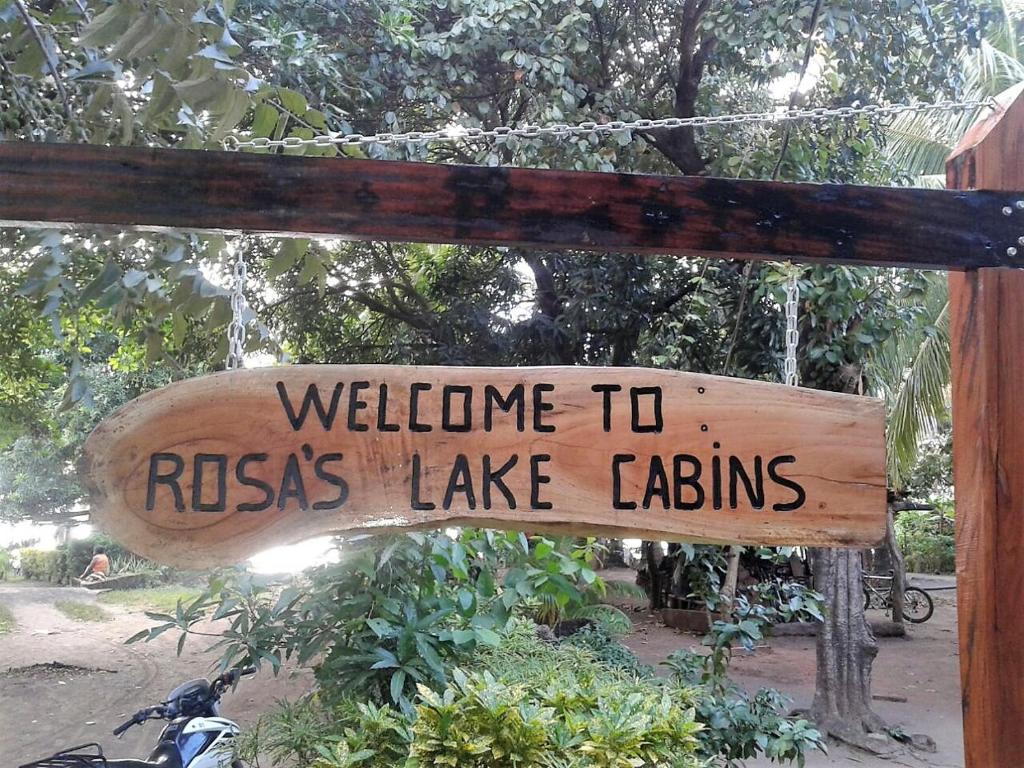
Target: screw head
[[1021, 239], [1011, 251], [1020, 205], [1007, 210]]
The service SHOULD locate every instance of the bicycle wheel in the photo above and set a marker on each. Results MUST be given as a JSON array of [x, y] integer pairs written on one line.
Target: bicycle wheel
[[917, 605]]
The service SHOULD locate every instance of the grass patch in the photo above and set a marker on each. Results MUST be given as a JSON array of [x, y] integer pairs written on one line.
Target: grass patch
[[79, 611], [159, 599], [6, 620]]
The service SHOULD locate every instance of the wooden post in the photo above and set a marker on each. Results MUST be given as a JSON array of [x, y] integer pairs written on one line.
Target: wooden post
[[987, 332]]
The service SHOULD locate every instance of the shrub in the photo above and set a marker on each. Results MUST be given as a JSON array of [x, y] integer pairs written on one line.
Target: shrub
[[738, 726], [524, 703], [609, 651], [394, 613], [39, 565], [925, 548]]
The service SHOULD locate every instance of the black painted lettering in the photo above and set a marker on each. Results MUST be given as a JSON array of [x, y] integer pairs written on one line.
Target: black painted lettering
[[416, 502], [252, 482], [635, 393], [688, 479], [414, 407], [382, 412], [716, 481], [292, 485], [539, 407], [657, 484], [460, 481], [331, 479], [753, 488], [355, 405], [537, 480], [310, 399], [606, 402], [170, 479], [785, 482], [220, 460], [496, 478], [516, 398], [449, 391], [617, 461]]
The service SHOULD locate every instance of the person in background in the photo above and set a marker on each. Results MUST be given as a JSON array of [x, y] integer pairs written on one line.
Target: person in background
[[98, 567]]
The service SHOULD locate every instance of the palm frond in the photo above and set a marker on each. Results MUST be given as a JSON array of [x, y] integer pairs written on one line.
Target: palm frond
[[912, 372]]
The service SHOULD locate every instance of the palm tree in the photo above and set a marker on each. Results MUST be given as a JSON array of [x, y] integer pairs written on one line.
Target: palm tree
[[919, 143], [912, 369]]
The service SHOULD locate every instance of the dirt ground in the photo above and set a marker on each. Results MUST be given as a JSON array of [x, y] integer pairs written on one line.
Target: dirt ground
[[43, 708], [915, 681]]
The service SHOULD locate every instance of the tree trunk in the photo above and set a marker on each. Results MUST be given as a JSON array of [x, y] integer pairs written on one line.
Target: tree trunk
[[652, 563], [846, 649], [732, 576], [899, 571]]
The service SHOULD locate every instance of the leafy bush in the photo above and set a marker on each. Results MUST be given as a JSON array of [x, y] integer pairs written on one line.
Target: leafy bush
[[609, 651], [738, 726], [394, 613], [39, 565], [926, 541], [522, 703]]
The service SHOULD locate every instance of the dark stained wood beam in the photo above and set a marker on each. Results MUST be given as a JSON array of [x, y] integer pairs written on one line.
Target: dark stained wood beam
[[139, 188]]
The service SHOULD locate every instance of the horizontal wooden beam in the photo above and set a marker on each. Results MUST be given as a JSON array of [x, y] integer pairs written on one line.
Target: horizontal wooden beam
[[140, 188]]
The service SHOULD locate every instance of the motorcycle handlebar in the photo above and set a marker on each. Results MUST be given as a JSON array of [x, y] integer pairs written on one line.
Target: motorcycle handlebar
[[139, 717]]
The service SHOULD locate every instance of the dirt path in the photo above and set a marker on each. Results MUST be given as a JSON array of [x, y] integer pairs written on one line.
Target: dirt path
[[44, 708], [917, 677]]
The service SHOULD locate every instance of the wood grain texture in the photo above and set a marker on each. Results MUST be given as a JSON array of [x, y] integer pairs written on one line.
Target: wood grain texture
[[418, 202], [987, 334], [814, 460]]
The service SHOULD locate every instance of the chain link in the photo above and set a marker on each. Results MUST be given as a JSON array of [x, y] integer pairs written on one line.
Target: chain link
[[791, 376], [236, 328], [561, 130]]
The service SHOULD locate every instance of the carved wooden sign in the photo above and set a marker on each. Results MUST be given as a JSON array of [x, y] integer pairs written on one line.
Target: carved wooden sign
[[212, 470]]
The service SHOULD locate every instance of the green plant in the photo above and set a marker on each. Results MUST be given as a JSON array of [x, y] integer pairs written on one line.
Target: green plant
[[39, 565], [926, 539], [738, 726], [608, 651], [79, 611], [394, 612], [478, 722], [524, 702]]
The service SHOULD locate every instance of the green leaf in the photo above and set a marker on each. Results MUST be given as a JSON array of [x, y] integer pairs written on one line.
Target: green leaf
[[264, 120], [397, 685], [293, 101], [106, 27]]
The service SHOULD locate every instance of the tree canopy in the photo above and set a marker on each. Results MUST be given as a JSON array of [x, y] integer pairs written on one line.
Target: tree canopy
[[189, 74]]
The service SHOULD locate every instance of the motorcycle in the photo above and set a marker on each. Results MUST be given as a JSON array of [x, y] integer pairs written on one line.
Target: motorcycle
[[195, 737]]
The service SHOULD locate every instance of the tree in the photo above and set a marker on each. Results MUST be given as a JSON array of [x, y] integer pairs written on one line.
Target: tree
[[192, 74]]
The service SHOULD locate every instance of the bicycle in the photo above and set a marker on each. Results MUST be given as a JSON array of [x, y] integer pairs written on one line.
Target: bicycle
[[917, 604]]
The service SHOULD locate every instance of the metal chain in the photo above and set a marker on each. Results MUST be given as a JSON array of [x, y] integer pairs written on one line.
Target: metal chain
[[236, 328], [502, 133], [792, 378]]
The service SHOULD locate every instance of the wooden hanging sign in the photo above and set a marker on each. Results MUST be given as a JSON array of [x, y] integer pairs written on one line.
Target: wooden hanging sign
[[212, 470]]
